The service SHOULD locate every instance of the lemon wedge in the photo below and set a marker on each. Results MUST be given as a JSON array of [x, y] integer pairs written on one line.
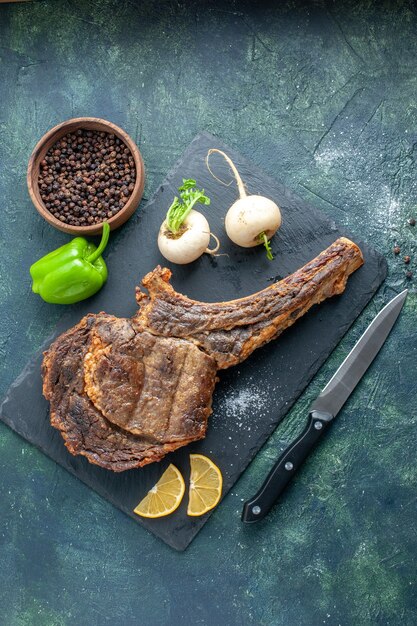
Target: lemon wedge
[[205, 485], [165, 497]]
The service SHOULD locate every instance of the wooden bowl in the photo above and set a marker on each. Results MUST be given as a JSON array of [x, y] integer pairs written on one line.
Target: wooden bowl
[[48, 140]]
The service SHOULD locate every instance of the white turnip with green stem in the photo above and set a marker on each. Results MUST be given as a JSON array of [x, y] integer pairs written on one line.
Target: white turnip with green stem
[[252, 220], [185, 233]]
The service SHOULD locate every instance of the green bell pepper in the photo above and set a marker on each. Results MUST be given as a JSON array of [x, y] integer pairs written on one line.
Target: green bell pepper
[[71, 273]]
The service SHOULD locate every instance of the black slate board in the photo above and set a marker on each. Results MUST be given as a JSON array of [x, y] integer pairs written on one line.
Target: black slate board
[[250, 400]]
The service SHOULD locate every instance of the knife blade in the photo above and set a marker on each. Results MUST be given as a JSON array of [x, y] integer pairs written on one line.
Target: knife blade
[[324, 409]]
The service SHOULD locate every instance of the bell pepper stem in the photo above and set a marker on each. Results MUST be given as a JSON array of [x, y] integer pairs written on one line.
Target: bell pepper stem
[[103, 243]]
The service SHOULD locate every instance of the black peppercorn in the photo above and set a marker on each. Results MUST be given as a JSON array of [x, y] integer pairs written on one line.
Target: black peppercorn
[[76, 167]]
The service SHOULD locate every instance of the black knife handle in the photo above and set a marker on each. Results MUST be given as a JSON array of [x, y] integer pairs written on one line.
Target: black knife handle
[[287, 465]]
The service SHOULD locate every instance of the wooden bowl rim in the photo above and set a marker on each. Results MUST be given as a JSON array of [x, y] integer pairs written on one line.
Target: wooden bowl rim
[[55, 133]]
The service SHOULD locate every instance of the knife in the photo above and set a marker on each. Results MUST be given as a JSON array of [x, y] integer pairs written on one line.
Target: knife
[[324, 409]]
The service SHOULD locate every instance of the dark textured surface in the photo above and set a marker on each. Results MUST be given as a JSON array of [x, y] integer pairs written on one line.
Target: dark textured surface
[[322, 97], [251, 398]]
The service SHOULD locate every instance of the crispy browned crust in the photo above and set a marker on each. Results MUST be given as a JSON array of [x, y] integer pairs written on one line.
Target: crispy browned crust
[[84, 429], [231, 331], [153, 386], [78, 367]]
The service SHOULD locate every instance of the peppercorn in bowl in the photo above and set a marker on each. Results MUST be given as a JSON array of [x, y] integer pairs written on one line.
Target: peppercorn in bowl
[[84, 172]]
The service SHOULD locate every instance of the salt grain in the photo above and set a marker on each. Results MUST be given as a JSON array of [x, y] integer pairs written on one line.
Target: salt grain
[[239, 405]]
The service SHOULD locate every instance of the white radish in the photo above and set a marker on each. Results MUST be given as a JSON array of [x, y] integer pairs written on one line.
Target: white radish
[[252, 220], [190, 242], [185, 234]]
